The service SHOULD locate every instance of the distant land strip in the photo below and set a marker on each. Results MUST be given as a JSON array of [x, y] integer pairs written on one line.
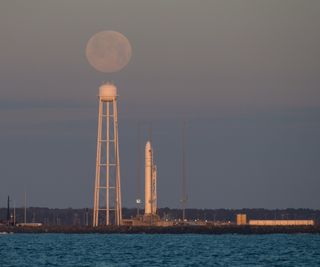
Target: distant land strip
[[215, 230], [77, 217]]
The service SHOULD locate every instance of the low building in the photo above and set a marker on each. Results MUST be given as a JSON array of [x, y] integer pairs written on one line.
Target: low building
[[281, 222], [140, 222], [241, 219], [29, 224]]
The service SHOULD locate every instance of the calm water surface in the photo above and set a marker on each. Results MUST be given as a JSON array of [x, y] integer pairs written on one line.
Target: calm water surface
[[159, 250]]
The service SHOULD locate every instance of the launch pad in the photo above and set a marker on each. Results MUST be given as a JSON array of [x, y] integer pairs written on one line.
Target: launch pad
[[150, 216]]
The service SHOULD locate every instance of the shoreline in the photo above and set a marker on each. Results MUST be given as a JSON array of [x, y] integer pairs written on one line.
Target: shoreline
[[211, 230]]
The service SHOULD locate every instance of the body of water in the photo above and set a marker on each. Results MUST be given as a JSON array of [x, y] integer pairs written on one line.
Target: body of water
[[158, 250]]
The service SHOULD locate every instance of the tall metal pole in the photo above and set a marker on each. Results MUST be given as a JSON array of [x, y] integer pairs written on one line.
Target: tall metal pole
[[8, 211], [184, 179], [25, 206], [138, 178], [14, 212]]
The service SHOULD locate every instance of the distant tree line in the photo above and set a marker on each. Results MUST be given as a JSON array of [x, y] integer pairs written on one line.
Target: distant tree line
[[71, 216]]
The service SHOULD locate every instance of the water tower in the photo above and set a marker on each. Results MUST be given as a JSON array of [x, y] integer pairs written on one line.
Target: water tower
[[107, 192]]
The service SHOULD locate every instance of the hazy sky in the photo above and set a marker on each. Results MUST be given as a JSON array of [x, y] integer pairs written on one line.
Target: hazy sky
[[245, 74]]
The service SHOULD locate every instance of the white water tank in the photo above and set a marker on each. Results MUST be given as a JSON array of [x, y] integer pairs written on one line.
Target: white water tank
[[108, 92]]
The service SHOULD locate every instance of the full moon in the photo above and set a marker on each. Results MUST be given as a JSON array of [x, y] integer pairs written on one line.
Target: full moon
[[108, 51]]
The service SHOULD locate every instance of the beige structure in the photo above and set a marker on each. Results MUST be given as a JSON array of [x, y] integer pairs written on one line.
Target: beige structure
[[139, 221], [281, 222], [29, 224], [150, 182], [241, 219], [108, 152]]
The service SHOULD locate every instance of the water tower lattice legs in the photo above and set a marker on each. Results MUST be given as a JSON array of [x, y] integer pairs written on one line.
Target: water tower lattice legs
[[107, 143]]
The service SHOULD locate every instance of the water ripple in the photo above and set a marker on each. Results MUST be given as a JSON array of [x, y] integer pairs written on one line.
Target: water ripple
[[158, 250]]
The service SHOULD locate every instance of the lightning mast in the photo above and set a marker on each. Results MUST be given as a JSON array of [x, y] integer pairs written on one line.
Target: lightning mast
[[138, 181], [184, 197]]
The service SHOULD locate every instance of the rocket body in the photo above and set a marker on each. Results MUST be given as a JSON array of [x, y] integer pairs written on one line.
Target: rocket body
[[148, 171], [150, 181]]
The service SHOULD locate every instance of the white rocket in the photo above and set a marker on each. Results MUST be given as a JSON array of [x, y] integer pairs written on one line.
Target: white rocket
[[150, 181]]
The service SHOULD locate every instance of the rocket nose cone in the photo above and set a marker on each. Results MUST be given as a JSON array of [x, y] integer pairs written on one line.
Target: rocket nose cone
[[148, 148], [148, 145]]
